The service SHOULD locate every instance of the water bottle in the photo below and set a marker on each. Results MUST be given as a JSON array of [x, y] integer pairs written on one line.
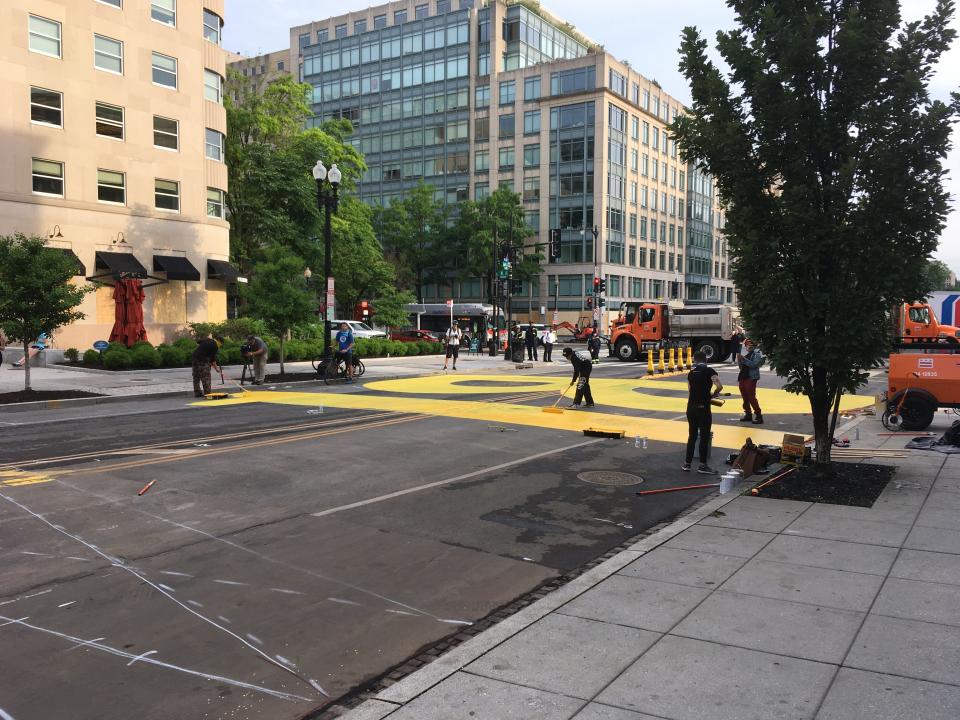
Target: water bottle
[[636, 442], [644, 442]]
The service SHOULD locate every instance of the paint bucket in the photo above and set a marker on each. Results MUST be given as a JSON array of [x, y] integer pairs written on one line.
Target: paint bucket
[[727, 482]]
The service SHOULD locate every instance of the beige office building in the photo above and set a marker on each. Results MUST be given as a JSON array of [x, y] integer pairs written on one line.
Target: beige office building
[[112, 134]]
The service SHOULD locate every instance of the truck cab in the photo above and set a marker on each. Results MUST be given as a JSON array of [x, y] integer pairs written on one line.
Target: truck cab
[[642, 326], [639, 325], [917, 323]]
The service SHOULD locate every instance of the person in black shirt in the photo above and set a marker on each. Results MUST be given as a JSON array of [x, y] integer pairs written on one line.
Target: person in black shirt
[[704, 385], [205, 357], [582, 366], [530, 340]]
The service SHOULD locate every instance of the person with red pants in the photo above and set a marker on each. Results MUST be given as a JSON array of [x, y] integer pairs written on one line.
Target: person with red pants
[[750, 359]]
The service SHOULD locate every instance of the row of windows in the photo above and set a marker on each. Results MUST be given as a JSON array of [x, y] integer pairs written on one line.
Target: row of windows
[[48, 179], [380, 21], [46, 108], [165, 12], [45, 38]]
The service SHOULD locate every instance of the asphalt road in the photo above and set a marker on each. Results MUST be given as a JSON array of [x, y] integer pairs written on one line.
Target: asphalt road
[[284, 555]]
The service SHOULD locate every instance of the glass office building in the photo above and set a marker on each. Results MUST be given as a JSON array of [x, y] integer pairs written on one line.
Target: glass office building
[[470, 95]]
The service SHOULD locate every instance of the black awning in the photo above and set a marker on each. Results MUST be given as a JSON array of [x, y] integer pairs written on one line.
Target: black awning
[[222, 270], [176, 267], [80, 268], [120, 265]]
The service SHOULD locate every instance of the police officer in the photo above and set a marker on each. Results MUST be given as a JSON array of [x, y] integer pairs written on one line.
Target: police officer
[[582, 366]]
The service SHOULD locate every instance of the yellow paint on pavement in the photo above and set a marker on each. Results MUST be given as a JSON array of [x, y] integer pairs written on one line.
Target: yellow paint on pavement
[[17, 478], [725, 436]]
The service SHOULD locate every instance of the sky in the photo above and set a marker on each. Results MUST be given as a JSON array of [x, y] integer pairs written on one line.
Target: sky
[[644, 32]]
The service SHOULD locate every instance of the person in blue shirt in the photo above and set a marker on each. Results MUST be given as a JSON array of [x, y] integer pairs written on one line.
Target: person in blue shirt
[[345, 348]]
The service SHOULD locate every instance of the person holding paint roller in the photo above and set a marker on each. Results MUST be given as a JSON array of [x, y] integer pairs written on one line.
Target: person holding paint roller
[[205, 357], [704, 386], [582, 367]]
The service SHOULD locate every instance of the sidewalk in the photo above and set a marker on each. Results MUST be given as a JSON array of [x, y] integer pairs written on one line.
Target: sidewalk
[[171, 380], [748, 608]]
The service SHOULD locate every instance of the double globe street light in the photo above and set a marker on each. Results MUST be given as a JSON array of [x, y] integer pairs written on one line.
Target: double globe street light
[[328, 189]]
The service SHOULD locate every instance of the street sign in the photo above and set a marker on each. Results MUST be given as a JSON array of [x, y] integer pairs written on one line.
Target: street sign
[[101, 345], [331, 299], [450, 303]]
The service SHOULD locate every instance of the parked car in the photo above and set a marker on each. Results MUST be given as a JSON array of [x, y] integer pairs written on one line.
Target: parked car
[[414, 336], [360, 329]]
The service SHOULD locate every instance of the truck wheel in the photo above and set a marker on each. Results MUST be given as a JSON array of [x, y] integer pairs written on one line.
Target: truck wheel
[[710, 348], [916, 414], [626, 350]]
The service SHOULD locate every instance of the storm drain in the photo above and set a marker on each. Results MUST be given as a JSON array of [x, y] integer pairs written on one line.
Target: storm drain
[[609, 477]]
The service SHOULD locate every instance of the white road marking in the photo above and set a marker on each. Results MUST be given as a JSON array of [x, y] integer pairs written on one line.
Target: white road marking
[[351, 602], [175, 574], [255, 639], [286, 662], [194, 603], [4, 715], [222, 619], [229, 582], [456, 622], [286, 592], [67, 604], [466, 476], [165, 587], [141, 657], [85, 642]]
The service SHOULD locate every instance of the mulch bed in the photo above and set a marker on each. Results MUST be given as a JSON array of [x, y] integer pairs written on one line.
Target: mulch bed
[[22, 396], [836, 484]]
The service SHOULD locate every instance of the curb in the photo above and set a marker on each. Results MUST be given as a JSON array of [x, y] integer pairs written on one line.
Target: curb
[[396, 696]]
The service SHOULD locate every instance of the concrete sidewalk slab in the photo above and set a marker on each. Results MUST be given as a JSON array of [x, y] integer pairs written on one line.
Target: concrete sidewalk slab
[[685, 567], [596, 711], [540, 657], [868, 532], [686, 679], [933, 567], [721, 540], [909, 648], [829, 554], [915, 600], [933, 539], [763, 514], [858, 694], [809, 632]]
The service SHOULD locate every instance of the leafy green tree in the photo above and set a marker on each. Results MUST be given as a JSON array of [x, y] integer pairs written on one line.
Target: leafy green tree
[[36, 293], [277, 294], [827, 151], [358, 264], [390, 309], [410, 233], [937, 275]]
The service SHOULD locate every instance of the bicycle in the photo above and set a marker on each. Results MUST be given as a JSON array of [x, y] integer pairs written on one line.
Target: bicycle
[[337, 368]]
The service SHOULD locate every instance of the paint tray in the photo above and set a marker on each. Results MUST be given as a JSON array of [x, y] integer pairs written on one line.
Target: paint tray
[[604, 433]]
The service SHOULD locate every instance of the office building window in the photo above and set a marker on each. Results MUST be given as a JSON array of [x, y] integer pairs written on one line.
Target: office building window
[[214, 203], [166, 195], [507, 158], [531, 156], [47, 177], [340, 31], [508, 92], [531, 189], [443, 6], [46, 107], [111, 187], [109, 122], [482, 95], [481, 129], [645, 104], [634, 127], [379, 22], [531, 122], [114, 3], [571, 81], [108, 54], [212, 26], [164, 70], [481, 160], [164, 11], [359, 26], [303, 41], [399, 16], [531, 88], [421, 11], [280, 66], [618, 83], [214, 145], [507, 125], [44, 36], [166, 133], [481, 191], [322, 35], [212, 86]]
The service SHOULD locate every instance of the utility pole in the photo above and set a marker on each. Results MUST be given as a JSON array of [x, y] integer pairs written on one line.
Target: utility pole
[[596, 274]]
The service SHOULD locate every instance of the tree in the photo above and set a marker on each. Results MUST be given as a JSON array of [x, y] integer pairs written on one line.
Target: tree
[[277, 294], [390, 307], [410, 231], [36, 293], [827, 151], [358, 264], [937, 276]]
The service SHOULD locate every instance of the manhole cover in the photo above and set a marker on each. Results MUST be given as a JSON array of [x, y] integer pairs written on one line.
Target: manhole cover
[[609, 477]]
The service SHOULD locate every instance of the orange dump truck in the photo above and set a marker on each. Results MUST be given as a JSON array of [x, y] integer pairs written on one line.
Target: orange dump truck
[[917, 323], [918, 385]]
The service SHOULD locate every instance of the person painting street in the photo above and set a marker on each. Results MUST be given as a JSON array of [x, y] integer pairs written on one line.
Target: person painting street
[[549, 338], [530, 340], [203, 359], [258, 355], [452, 341], [703, 384], [750, 359], [582, 367], [345, 349]]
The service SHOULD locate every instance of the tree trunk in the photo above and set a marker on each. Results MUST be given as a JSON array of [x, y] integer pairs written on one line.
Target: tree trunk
[[820, 402], [835, 414], [282, 336], [26, 364]]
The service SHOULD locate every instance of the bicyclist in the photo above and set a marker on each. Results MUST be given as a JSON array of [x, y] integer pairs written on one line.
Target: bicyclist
[[345, 349]]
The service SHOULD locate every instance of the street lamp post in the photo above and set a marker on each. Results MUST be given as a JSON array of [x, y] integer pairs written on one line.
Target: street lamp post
[[328, 195], [597, 313]]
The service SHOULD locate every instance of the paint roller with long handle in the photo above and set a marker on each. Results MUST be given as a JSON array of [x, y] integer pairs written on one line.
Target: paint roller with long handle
[[553, 408]]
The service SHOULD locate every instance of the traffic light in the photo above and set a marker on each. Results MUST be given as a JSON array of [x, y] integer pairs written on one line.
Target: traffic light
[[589, 303], [555, 244], [601, 302], [596, 286], [603, 287]]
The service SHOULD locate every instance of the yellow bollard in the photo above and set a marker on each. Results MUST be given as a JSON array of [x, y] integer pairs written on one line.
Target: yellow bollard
[[650, 368], [660, 366], [690, 357], [673, 360]]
